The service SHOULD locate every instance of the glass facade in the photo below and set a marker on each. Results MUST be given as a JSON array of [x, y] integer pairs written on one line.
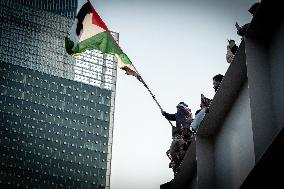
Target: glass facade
[[56, 111], [62, 7]]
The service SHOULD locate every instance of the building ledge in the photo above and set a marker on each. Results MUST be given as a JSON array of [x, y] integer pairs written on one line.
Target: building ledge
[[224, 98]]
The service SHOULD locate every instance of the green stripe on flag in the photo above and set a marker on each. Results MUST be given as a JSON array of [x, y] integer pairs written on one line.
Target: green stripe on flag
[[102, 42], [125, 58]]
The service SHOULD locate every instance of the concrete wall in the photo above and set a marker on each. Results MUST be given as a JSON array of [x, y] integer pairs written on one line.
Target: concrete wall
[[266, 84], [276, 58], [234, 149], [193, 183], [260, 91], [205, 162], [264, 51]]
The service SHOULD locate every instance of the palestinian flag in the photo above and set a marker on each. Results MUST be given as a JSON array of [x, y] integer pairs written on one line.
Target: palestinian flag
[[89, 32]]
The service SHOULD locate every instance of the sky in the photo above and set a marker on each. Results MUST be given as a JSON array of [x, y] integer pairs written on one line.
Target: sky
[[177, 47]]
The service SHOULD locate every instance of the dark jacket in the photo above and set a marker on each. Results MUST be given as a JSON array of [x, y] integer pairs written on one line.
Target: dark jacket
[[180, 119], [234, 49]]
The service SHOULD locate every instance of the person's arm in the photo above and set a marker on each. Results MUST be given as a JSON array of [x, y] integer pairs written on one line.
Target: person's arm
[[198, 118], [242, 30], [170, 117], [237, 25]]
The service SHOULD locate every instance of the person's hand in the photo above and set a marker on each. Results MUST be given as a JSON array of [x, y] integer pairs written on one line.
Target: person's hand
[[237, 25]]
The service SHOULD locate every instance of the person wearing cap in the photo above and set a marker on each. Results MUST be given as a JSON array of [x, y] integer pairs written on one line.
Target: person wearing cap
[[183, 118]]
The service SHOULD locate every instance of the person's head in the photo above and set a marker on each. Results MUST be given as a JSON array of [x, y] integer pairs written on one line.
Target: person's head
[[231, 43], [216, 81], [254, 8], [232, 46], [181, 106]]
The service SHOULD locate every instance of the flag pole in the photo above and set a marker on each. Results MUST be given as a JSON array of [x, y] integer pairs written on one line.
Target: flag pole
[[153, 96]]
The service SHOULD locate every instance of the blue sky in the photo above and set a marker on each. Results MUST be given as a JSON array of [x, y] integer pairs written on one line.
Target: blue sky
[[177, 46]]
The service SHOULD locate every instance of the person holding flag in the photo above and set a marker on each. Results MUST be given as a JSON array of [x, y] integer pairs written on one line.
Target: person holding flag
[[183, 118]]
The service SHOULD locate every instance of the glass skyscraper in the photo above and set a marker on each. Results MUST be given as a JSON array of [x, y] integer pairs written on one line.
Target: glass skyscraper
[[56, 112], [62, 7]]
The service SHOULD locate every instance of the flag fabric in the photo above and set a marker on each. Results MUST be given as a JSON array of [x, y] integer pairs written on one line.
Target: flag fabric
[[89, 32]]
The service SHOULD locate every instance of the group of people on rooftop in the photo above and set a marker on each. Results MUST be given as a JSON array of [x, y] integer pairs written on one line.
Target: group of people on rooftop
[[186, 126]]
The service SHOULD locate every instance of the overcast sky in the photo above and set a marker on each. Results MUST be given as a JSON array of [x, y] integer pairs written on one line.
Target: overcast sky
[[177, 46]]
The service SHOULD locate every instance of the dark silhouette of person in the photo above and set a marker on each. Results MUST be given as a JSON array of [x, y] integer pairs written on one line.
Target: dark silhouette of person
[[241, 31], [183, 118]]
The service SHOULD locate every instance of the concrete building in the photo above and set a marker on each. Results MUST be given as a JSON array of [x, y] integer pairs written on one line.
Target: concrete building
[[239, 143], [56, 112]]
